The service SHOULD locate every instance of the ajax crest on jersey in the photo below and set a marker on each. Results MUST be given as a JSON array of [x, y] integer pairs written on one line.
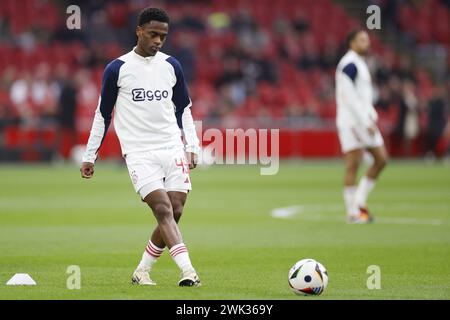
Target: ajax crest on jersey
[[308, 277]]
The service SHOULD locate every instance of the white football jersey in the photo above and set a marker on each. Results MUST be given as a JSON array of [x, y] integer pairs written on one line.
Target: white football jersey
[[354, 93], [151, 102]]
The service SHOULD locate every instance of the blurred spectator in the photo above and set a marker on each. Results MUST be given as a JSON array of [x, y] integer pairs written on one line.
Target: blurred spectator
[[20, 96], [184, 49], [407, 127], [43, 95], [300, 22], [67, 103], [8, 115], [437, 120]]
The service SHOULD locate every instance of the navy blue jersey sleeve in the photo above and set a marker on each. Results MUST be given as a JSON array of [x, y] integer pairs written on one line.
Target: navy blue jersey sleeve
[[180, 95], [109, 92], [351, 71]]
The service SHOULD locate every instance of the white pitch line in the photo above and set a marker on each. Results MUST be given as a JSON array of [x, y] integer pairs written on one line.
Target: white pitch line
[[286, 212], [309, 212]]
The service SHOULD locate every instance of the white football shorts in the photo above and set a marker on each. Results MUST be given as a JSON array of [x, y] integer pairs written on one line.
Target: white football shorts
[[165, 168], [352, 138]]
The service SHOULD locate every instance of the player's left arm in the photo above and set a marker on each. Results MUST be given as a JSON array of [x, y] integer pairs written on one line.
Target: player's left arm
[[183, 103], [190, 137]]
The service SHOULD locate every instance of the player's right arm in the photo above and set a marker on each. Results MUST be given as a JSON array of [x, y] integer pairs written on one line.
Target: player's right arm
[[102, 118], [352, 100]]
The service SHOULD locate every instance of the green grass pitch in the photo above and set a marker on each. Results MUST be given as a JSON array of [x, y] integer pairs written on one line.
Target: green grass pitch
[[50, 218]]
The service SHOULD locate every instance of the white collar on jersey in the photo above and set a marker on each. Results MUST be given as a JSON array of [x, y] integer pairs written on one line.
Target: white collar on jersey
[[145, 59], [356, 54]]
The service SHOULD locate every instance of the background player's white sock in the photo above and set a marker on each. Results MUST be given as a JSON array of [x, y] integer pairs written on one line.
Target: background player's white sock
[[150, 255], [180, 255], [365, 186], [349, 199]]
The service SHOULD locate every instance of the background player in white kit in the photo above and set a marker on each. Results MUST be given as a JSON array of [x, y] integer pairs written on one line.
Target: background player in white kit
[[152, 104], [357, 129]]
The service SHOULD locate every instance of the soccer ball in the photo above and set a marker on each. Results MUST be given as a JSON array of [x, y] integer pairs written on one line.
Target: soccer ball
[[308, 277]]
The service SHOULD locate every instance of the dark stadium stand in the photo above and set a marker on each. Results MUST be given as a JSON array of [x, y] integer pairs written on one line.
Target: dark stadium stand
[[249, 63]]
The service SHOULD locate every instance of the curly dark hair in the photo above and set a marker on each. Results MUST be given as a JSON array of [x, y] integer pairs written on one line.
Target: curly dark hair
[[152, 14]]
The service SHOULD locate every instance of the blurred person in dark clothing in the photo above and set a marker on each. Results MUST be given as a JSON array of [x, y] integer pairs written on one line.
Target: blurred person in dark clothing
[[407, 128], [67, 103], [183, 47], [437, 120], [300, 22]]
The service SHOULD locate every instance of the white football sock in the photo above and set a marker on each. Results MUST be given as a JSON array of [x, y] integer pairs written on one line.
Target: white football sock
[[180, 255], [365, 186], [150, 255], [349, 199]]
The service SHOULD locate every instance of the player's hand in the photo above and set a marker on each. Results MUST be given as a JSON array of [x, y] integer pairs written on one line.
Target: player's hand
[[87, 170], [192, 159]]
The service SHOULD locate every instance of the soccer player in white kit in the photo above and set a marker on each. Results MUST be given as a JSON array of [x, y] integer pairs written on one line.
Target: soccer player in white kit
[[357, 129], [152, 110]]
